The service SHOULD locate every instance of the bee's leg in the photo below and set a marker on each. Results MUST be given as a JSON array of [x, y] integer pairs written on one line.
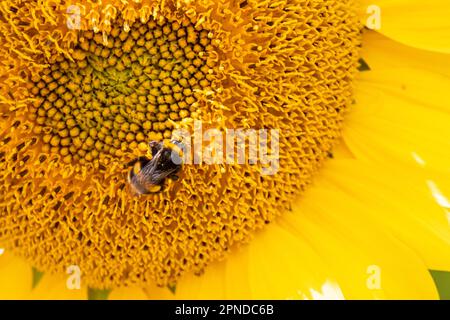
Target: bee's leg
[[174, 177], [155, 188]]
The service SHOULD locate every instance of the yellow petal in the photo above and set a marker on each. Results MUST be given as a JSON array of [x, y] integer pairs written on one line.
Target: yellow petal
[[16, 282], [335, 244], [270, 267], [15, 276], [210, 285], [423, 24], [363, 226], [285, 266], [131, 293], [54, 287], [402, 113], [157, 293], [403, 203], [382, 53], [228, 279]]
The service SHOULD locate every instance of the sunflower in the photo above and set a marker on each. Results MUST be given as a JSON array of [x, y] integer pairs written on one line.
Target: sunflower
[[357, 207]]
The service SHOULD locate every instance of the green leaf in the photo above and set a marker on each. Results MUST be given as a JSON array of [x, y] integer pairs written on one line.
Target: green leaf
[[363, 66], [97, 294], [37, 276], [442, 281], [172, 288]]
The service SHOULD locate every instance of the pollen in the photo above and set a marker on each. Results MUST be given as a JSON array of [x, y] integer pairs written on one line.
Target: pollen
[[86, 88]]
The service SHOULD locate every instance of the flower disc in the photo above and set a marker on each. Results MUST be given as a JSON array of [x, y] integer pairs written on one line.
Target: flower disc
[[80, 104]]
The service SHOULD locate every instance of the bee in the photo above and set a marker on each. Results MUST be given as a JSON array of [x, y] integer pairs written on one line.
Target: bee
[[148, 175]]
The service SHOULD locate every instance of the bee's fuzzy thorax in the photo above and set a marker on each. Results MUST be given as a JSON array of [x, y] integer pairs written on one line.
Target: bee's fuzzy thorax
[[148, 175]]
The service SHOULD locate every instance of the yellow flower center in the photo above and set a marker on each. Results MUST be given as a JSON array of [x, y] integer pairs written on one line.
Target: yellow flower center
[[122, 90], [92, 101]]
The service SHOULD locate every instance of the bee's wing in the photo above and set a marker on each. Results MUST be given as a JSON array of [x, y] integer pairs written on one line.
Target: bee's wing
[[148, 175]]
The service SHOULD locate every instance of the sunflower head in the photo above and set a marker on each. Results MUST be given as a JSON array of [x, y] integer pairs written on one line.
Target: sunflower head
[[79, 104]]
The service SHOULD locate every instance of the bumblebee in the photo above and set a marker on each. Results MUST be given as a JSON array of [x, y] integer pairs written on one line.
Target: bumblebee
[[148, 175]]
